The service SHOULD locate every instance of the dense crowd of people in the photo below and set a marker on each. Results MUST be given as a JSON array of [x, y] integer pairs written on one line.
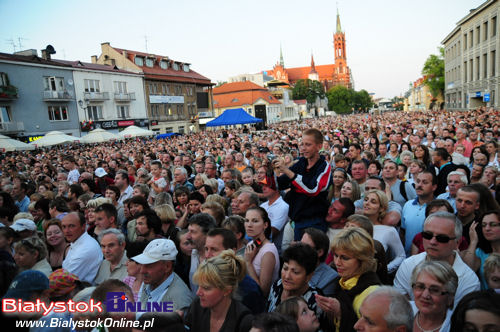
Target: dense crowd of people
[[367, 222]]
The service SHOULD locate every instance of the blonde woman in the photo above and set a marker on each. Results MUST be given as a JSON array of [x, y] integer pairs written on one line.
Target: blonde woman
[[354, 259], [216, 309], [167, 216], [375, 208]]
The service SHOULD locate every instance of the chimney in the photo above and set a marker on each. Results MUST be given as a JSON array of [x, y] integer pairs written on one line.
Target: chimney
[[94, 58], [29, 52], [45, 55]]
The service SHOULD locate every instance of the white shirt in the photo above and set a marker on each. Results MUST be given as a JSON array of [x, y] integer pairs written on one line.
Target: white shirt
[[73, 176], [467, 279], [84, 258], [278, 214], [394, 250], [126, 194]]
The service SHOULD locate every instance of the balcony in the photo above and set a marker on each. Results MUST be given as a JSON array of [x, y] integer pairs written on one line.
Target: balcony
[[124, 97], [11, 126], [8, 92], [56, 96], [96, 96]]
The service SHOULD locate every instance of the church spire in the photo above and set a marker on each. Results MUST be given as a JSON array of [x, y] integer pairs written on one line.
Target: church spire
[[313, 67], [282, 63], [339, 28]]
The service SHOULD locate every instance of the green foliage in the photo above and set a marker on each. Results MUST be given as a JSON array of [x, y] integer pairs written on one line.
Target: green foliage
[[219, 83], [343, 100], [434, 70], [309, 90]]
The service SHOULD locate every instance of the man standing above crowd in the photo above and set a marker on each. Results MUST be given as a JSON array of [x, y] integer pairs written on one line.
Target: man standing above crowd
[[308, 180]]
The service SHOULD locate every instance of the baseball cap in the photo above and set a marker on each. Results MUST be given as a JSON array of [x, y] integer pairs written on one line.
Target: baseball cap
[[270, 182], [100, 172], [27, 282], [23, 224], [157, 250]]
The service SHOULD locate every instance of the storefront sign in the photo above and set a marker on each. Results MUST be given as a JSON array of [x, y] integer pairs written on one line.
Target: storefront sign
[[166, 99]]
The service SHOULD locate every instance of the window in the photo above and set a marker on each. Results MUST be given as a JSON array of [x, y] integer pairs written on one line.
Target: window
[[163, 64], [120, 87], [485, 65], [465, 71], [175, 66], [493, 63], [154, 111], [185, 67], [54, 83], [169, 130], [485, 30], [139, 61], [471, 33], [5, 114], [94, 112], [181, 130], [478, 35], [477, 68], [465, 42], [494, 26], [123, 112], [178, 90], [58, 113], [471, 67], [91, 86], [4, 80], [149, 62], [180, 110]]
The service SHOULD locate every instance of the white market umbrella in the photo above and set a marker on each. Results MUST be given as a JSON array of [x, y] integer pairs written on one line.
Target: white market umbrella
[[10, 144], [99, 135], [54, 138], [134, 131]]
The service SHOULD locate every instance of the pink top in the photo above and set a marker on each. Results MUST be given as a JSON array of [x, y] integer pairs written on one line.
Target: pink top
[[129, 280], [268, 247]]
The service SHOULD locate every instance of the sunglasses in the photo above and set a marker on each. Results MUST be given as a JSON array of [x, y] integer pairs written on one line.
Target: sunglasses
[[439, 238], [433, 290]]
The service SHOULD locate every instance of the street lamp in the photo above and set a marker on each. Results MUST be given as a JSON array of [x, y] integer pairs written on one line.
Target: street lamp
[[84, 105]]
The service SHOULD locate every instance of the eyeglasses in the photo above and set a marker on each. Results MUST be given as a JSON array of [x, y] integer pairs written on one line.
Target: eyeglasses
[[439, 238], [491, 224], [433, 290]]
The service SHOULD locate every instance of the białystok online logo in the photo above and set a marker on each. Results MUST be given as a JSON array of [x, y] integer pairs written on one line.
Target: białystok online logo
[[115, 302], [118, 302]]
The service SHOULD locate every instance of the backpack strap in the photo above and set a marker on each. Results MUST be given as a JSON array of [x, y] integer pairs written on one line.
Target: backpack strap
[[402, 189]]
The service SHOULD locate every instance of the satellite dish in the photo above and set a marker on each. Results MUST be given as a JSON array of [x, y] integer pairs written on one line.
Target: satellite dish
[[50, 49], [70, 82]]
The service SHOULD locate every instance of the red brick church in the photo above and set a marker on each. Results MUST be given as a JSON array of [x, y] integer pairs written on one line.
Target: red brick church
[[331, 75]]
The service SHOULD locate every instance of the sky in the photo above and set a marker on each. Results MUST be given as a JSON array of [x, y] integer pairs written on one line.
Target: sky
[[387, 41]]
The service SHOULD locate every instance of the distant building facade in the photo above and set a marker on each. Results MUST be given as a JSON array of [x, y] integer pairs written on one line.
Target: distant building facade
[[37, 95], [254, 99], [175, 94], [108, 98], [472, 59]]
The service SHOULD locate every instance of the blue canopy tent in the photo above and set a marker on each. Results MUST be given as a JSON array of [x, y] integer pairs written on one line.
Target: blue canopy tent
[[233, 117]]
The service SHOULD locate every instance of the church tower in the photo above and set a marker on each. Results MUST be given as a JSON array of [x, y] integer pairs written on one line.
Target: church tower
[[341, 74], [313, 74]]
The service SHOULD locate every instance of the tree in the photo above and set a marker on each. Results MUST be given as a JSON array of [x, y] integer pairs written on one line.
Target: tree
[[340, 99], [434, 72], [309, 90], [219, 83], [362, 100]]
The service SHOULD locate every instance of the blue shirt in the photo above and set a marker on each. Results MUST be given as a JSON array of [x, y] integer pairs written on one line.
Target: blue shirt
[[156, 294], [23, 204], [412, 221], [450, 200]]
